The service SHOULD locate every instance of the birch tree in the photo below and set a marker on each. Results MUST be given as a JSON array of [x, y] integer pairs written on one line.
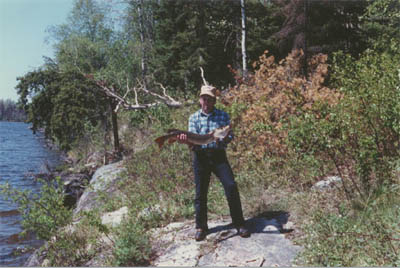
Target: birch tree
[[244, 52]]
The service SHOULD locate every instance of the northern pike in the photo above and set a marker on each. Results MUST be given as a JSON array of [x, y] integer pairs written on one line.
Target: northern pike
[[199, 139]]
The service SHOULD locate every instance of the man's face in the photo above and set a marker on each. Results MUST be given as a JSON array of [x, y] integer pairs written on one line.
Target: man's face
[[207, 103]]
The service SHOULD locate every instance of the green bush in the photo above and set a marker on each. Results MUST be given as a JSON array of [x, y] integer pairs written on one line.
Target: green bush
[[160, 114], [77, 244], [132, 246], [360, 135], [41, 213]]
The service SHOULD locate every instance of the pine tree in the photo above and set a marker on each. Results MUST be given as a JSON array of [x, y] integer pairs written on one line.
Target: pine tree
[[190, 34], [321, 26]]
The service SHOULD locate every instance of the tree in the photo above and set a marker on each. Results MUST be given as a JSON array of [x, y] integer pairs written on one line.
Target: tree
[[61, 103], [139, 28], [243, 43], [83, 45], [190, 34], [381, 23], [321, 26], [9, 111]]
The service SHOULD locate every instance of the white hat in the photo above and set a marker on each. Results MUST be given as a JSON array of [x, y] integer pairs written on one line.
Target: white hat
[[208, 90]]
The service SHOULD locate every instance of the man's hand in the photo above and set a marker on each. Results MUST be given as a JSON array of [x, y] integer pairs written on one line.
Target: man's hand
[[182, 138], [228, 138]]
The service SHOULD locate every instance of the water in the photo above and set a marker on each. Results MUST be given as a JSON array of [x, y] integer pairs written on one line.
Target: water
[[22, 154]]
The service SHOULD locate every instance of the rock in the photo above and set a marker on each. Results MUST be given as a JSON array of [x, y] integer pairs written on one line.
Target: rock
[[327, 183], [45, 263], [153, 210], [175, 245], [104, 181], [289, 226], [74, 186], [114, 218], [37, 257], [95, 159]]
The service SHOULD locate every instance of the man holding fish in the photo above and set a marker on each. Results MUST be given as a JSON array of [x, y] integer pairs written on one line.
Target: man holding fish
[[209, 158]]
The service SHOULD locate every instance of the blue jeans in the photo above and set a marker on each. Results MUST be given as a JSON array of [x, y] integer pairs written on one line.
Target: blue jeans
[[215, 161]]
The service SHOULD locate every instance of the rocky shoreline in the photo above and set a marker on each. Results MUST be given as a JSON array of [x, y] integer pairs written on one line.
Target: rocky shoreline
[[173, 245], [82, 192]]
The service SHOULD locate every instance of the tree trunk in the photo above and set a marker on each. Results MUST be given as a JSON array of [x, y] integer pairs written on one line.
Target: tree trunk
[[114, 123], [142, 40], [305, 66], [244, 54], [106, 139]]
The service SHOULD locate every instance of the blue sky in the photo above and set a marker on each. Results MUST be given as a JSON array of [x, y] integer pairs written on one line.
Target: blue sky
[[23, 25]]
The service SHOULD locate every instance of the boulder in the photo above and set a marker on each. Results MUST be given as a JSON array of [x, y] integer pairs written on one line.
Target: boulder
[[74, 186], [104, 181], [114, 218], [37, 257]]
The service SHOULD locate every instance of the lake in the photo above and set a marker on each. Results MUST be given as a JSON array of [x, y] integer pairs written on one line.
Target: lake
[[22, 154]]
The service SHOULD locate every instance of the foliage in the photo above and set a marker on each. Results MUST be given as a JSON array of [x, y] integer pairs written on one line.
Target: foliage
[[274, 94], [307, 130], [77, 244], [159, 114], [42, 214], [132, 248], [67, 249], [155, 175], [61, 103], [190, 34], [368, 238], [381, 22], [361, 134], [321, 26]]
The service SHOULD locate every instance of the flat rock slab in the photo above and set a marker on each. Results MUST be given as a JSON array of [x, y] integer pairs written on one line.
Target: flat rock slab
[[267, 246]]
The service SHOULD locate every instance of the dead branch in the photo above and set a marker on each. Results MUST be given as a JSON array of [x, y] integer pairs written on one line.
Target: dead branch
[[123, 102], [165, 98], [128, 89], [202, 76]]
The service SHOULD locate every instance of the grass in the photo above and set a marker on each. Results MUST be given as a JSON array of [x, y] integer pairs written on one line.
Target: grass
[[349, 237]]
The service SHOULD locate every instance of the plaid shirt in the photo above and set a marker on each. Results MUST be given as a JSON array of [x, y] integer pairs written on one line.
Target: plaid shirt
[[201, 123]]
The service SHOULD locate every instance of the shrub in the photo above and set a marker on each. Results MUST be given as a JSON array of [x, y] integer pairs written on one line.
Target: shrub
[[360, 135], [263, 108], [132, 246], [273, 94], [77, 244], [41, 213]]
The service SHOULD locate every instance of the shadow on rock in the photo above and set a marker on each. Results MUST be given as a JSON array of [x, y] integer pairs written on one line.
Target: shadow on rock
[[267, 246], [269, 222]]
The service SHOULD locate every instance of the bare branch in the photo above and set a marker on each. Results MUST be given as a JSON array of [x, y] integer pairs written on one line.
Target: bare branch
[[126, 94], [123, 102], [136, 99], [202, 76], [172, 102], [166, 98]]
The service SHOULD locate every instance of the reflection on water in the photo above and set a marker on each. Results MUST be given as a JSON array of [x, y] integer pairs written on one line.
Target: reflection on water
[[21, 155]]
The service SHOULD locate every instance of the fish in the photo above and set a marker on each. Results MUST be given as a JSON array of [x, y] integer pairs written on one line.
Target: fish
[[198, 139]]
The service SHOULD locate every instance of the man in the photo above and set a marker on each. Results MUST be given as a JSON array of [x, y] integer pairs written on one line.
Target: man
[[212, 158]]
